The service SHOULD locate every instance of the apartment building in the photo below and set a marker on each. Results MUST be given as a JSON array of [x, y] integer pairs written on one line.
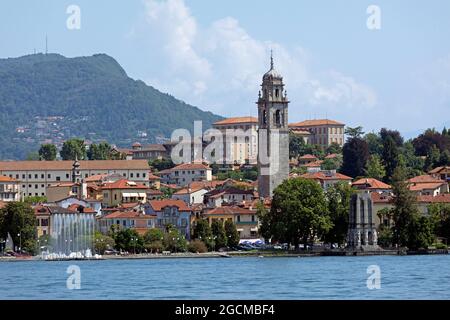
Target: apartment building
[[323, 132], [240, 149], [9, 189], [36, 176]]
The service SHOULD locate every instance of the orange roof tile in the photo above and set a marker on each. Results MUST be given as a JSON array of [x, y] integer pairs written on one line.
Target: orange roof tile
[[191, 166], [323, 176], [123, 184], [316, 122], [128, 214], [424, 179], [371, 183], [229, 210], [6, 179], [441, 198], [439, 169], [308, 156], [237, 120], [381, 198], [425, 186]]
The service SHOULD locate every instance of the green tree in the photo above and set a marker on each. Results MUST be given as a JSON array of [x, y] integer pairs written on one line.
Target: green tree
[[161, 164], [390, 157], [174, 241], [218, 232], [73, 149], [298, 213], [338, 197], [32, 200], [385, 237], [420, 233], [405, 208], [101, 151], [356, 132], [356, 154], [102, 242], [330, 164], [334, 148], [444, 160], [128, 240], [153, 235], [296, 145], [375, 143], [33, 156], [375, 168], [433, 158], [231, 233], [48, 152], [18, 219], [197, 246]]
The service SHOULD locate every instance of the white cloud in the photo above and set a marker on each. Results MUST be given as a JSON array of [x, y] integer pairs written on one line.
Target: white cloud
[[220, 67]]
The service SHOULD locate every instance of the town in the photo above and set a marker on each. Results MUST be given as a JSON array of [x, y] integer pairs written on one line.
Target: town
[[325, 187]]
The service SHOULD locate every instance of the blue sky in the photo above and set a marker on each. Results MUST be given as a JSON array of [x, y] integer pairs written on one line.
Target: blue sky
[[213, 53]]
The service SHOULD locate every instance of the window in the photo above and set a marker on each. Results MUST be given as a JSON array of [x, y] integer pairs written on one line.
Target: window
[[143, 175], [29, 186], [137, 175], [42, 185], [23, 186], [17, 176], [58, 178], [238, 218], [253, 218], [44, 222], [105, 195], [42, 176], [277, 92], [36, 186], [35, 176], [29, 176], [131, 175], [23, 176], [115, 197], [49, 176], [67, 175]]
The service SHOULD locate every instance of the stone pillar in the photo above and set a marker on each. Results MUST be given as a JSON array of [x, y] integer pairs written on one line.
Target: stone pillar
[[366, 220]]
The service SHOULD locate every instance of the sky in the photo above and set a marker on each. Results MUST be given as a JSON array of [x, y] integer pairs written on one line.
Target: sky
[[213, 54]]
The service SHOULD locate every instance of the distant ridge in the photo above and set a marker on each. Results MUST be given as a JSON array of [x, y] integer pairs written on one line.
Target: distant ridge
[[47, 97]]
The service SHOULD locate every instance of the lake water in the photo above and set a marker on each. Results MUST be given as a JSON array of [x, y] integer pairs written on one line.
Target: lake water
[[402, 277]]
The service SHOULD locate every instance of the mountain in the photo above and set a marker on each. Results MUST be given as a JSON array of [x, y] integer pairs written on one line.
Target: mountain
[[50, 98]]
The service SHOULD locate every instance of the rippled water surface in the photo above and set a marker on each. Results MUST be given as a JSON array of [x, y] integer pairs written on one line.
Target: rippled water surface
[[402, 277]]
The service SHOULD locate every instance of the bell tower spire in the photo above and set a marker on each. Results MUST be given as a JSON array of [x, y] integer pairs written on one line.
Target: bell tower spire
[[273, 132]]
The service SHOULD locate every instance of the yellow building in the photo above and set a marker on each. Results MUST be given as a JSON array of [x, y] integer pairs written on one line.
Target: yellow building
[[324, 132], [123, 191], [246, 220]]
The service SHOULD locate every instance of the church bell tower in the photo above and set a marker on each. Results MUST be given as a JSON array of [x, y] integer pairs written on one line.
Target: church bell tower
[[273, 133]]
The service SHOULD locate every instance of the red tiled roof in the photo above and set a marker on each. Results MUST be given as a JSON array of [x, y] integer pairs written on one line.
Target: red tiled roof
[[381, 198], [442, 198], [190, 166], [237, 120], [123, 184], [151, 176], [425, 186], [96, 177], [6, 179], [188, 190], [331, 156], [308, 156], [158, 205], [371, 183], [229, 210], [424, 179], [314, 164], [439, 169], [2, 204], [323, 176], [317, 122], [154, 192], [128, 214]]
